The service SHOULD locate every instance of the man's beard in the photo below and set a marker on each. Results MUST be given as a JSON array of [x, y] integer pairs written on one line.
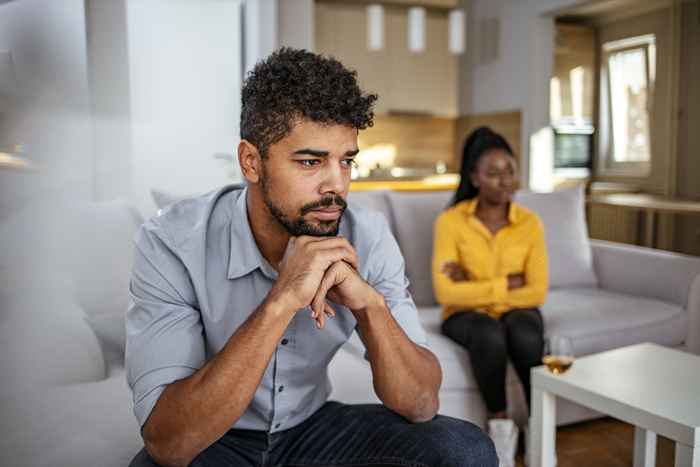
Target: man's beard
[[300, 226]]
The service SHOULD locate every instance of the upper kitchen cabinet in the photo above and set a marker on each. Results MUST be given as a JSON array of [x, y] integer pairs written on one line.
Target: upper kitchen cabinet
[[407, 82]]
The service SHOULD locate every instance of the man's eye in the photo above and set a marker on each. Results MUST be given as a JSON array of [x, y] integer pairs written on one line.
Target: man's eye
[[308, 162], [350, 162]]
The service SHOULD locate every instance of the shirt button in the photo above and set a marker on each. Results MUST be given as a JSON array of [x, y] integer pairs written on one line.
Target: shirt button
[[277, 426], [281, 388], [284, 342]]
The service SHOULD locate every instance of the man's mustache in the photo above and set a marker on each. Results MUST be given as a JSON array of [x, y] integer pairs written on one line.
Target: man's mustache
[[325, 202]]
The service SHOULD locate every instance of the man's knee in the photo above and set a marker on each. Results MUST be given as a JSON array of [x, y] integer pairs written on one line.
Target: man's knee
[[458, 443]]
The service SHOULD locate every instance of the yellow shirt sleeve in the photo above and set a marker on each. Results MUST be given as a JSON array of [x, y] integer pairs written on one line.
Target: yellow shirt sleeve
[[536, 275], [467, 294]]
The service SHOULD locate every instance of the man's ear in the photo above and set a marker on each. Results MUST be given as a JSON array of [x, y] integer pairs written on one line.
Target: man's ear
[[250, 160]]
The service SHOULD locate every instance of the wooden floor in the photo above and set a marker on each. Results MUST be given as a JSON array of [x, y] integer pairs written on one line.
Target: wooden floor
[[602, 443]]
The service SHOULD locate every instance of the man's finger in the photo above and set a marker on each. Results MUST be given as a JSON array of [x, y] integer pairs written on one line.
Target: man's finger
[[320, 320], [329, 309], [334, 255], [328, 281], [335, 243]]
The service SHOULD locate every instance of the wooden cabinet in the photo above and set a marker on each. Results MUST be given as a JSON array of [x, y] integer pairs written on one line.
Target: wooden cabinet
[[424, 83]]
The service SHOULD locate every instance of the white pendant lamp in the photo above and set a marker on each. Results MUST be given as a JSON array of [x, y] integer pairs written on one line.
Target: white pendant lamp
[[416, 29], [456, 31], [375, 27]]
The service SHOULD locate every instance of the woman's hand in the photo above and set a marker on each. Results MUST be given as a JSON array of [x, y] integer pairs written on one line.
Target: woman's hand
[[454, 271], [516, 281]]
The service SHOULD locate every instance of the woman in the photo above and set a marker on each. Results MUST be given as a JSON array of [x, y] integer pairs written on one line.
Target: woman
[[490, 270]]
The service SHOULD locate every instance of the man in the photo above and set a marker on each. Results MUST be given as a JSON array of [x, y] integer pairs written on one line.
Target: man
[[240, 299]]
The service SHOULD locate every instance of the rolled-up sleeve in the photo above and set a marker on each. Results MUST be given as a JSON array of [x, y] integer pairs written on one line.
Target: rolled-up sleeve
[[387, 276], [164, 340]]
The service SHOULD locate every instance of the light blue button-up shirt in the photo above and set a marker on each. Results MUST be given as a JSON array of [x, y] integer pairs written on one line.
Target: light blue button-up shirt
[[198, 275]]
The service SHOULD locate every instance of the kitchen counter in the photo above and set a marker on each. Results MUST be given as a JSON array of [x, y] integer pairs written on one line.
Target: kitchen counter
[[427, 183]]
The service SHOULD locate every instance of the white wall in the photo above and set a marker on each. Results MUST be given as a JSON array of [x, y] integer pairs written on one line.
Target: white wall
[[261, 30], [296, 24], [519, 77], [108, 72], [185, 78]]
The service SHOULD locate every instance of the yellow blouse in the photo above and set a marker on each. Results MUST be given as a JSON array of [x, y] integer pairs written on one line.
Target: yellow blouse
[[488, 259]]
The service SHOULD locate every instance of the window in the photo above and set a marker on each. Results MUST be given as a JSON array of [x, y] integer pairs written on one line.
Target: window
[[627, 84]]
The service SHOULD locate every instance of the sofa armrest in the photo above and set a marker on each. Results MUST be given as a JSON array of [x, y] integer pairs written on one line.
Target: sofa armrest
[[645, 272]]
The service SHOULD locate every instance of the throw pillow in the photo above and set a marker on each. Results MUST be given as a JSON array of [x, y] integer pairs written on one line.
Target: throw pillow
[[568, 246], [46, 348]]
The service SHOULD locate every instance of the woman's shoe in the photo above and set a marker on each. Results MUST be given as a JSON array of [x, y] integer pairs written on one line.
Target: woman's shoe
[[504, 433]]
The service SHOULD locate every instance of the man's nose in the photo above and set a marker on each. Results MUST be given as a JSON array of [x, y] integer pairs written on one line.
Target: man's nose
[[334, 180]]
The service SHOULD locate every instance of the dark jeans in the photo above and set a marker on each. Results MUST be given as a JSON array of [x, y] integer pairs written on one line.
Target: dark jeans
[[518, 334], [351, 435]]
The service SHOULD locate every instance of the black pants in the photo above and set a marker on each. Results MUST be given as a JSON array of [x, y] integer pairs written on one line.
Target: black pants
[[518, 335], [351, 435]]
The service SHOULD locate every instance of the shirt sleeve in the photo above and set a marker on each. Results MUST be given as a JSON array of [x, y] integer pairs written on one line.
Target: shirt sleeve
[[468, 294], [536, 274], [387, 275], [164, 340]]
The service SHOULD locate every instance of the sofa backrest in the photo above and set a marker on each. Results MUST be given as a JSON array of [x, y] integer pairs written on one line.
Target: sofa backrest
[[566, 232], [411, 216], [99, 246], [376, 200], [414, 217], [72, 261]]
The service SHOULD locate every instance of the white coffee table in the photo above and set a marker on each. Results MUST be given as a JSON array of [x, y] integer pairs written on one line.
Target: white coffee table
[[654, 388]]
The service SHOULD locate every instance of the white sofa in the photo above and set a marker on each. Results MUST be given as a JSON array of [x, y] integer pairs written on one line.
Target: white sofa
[[65, 270], [602, 295]]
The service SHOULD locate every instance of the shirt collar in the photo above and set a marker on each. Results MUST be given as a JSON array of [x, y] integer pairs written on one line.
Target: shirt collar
[[244, 254], [515, 212]]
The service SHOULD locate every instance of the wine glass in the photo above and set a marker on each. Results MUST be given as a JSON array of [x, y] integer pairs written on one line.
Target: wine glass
[[558, 354]]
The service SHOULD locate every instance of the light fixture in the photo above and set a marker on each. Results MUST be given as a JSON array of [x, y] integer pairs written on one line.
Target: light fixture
[[375, 27], [456, 28], [416, 29]]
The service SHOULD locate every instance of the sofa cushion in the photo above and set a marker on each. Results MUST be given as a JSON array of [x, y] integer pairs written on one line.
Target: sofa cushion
[[566, 234], [454, 359], [100, 246], [46, 348], [597, 320], [351, 375], [75, 251], [414, 216], [110, 329], [79, 425], [101, 254]]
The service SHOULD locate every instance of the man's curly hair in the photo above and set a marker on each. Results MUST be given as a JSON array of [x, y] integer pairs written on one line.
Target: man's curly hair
[[291, 84]]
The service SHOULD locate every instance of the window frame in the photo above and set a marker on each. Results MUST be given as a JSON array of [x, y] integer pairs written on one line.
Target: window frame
[[607, 165]]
